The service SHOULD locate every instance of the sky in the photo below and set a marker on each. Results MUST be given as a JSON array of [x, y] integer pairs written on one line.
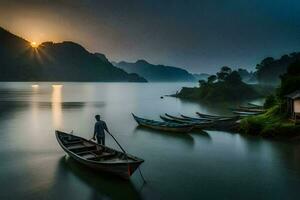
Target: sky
[[198, 35]]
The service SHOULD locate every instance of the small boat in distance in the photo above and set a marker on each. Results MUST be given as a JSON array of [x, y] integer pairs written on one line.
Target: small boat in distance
[[97, 156], [164, 126]]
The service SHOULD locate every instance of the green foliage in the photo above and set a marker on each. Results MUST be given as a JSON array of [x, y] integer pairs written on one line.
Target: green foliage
[[270, 101], [273, 123], [211, 79], [201, 83], [290, 81], [228, 88], [270, 69], [223, 73], [234, 78]]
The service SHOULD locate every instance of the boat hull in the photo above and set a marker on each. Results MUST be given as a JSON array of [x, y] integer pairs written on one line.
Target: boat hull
[[161, 126], [122, 169]]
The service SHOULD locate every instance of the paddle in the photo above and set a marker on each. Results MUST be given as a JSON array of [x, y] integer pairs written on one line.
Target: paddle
[[125, 154], [117, 143]]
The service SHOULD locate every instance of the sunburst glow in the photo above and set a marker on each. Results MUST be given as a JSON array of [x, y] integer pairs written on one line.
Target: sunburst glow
[[34, 44]]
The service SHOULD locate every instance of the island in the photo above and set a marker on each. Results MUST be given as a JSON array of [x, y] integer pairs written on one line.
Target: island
[[225, 85]]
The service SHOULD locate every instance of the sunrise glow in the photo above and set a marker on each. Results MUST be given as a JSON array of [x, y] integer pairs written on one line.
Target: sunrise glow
[[34, 44]]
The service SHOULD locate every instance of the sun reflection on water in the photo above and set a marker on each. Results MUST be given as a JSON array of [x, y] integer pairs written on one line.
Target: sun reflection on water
[[56, 102]]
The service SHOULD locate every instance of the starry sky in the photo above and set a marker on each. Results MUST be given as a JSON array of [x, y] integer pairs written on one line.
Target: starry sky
[[198, 35]]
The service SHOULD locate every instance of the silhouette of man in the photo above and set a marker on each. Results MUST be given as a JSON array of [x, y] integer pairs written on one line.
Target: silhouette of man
[[100, 126]]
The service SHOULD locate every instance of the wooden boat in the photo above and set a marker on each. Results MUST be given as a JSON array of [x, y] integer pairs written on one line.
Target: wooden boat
[[248, 107], [243, 113], [256, 110], [255, 105], [214, 117], [97, 156], [174, 120], [197, 125], [195, 119], [220, 124], [182, 119], [163, 126]]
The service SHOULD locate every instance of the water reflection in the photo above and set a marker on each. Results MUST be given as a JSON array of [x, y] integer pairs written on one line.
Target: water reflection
[[182, 137], [102, 186], [56, 102], [33, 167]]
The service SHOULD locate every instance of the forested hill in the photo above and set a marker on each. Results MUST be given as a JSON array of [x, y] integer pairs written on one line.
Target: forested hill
[[156, 72], [66, 61], [270, 69]]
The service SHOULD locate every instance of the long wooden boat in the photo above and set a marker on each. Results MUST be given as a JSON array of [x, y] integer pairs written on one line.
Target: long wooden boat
[[243, 113], [195, 119], [214, 117], [255, 105], [182, 119], [249, 107], [255, 110], [163, 126], [98, 156], [199, 125], [223, 124]]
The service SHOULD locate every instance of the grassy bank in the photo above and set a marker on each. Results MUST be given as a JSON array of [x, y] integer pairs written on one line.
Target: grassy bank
[[270, 124]]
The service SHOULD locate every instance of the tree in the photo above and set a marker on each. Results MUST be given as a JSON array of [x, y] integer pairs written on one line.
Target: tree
[[223, 73], [290, 81], [211, 79], [234, 77], [270, 101], [202, 83]]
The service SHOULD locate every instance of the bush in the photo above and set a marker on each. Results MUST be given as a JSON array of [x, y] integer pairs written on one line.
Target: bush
[[270, 101], [270, 124]]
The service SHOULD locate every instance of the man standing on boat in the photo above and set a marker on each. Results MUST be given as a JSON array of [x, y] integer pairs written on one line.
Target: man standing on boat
[[100, 127]]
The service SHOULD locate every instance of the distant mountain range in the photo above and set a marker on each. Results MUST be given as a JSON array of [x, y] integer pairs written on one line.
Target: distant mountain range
[[66, 61], [156, 72]]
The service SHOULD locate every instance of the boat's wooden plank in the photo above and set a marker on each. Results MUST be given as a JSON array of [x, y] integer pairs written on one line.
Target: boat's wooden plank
[[88, 156]]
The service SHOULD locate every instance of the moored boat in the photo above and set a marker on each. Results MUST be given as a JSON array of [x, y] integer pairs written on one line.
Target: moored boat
[[214, 117], [244, 113], [255, 110], [188, 120], [197, 125], [98, 156], [255, 105], [164, 126], [194, 118]]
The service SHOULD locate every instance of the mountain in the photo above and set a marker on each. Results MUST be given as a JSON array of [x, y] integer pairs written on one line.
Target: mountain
[[270, 69], [201, 76], [66, 61], [156, 72]]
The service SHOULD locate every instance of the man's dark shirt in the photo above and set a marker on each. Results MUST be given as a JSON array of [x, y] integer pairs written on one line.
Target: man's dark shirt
[[100, 126]]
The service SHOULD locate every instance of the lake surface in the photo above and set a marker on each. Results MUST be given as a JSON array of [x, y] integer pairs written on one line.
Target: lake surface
[[212, 165]]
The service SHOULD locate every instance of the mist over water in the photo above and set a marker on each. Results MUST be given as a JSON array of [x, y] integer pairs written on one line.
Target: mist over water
[[212, 165]]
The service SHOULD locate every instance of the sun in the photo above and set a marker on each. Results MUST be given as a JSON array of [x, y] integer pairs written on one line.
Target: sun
[[34, 44]]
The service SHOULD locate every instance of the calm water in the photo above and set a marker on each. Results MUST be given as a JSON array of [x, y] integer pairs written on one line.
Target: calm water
[[216, 165]]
